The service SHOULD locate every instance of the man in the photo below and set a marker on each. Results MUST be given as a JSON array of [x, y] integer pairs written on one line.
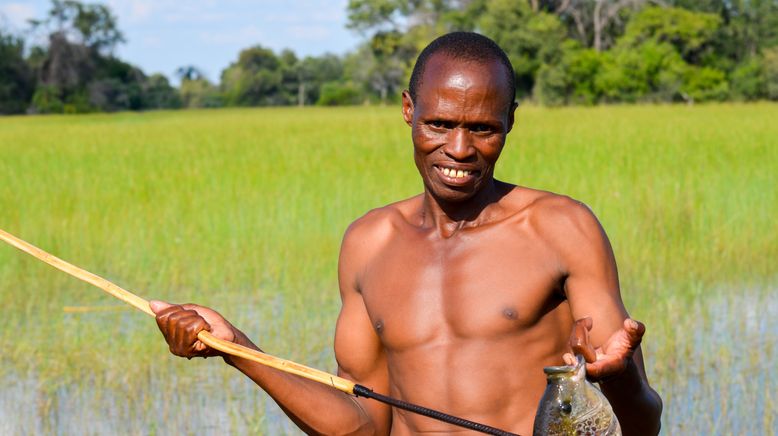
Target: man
[[458, 297]]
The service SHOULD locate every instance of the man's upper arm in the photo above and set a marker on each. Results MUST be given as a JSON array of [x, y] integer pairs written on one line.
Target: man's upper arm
[[587, 260], [358, 349]]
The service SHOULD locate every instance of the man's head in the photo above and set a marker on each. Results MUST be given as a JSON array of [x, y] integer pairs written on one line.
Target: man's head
[[466, 47], [460, 108]]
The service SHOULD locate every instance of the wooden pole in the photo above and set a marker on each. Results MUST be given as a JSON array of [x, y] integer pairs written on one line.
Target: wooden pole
[[205, 337]]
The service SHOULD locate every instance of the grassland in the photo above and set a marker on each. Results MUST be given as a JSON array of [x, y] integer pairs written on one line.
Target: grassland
[[243, 210]]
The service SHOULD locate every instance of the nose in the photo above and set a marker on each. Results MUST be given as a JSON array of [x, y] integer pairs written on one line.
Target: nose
[[460, 145]]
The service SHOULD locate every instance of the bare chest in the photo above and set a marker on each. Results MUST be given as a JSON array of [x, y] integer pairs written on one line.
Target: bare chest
[[486, 285]]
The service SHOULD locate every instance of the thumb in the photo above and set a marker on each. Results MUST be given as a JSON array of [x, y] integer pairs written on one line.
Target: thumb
[[579, 339], [158, 306], [635, 330]]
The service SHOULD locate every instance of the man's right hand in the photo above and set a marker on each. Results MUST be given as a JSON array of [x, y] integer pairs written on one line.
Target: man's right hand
[[180, 325]]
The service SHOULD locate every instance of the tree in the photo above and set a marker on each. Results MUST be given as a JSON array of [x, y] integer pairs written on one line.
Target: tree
[[529, 38], [91, 25], [317, 71], [199, 93], [770, 72], [658, 59], [158, 94], [399, 29], [691, 33], [596, 23], [189, 72], [255, 79], [73, 69], [572, 79], [17, 82]]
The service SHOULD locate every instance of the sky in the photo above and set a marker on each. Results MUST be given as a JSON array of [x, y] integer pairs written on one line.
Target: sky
[[163, 35]]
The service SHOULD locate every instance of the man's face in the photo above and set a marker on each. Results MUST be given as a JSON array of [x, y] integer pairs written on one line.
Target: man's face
[[459, 121]]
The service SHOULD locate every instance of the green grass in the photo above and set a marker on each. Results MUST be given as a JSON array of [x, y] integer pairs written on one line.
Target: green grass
[[243, 210]]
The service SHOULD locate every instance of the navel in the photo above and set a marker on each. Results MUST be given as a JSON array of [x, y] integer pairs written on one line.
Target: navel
[[510, 313], [379, 326]]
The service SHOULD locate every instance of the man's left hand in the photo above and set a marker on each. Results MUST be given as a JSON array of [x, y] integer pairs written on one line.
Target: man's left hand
[[612, 358]]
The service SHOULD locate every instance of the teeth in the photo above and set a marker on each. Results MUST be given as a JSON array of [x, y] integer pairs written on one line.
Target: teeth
[[451, 172]]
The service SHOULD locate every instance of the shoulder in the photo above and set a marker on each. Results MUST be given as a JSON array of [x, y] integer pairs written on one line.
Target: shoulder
[[564, 223], [558, 214], [370, 233], [378, 225], [570, 228]]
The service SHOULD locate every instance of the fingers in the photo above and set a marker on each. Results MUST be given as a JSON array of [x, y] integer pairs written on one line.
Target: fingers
[[180, 326], [605, 368], [579, 339], [157, 306], [635, 331]]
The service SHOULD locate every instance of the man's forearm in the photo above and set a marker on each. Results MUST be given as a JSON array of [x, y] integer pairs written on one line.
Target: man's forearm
[[637, 406], [315, 408]]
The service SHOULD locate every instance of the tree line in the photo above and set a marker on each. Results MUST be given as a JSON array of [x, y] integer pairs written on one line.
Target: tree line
[[563, 51]]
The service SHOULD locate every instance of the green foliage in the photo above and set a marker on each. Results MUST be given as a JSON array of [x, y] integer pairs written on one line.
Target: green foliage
[[747, 80], [261, 78], [159, 94], [92, 25], [690, 33], [365, 14], [580, 52], [17, 82], [529, 39], [770, 65], [47, 100], [653, 71], [704, 84], [200, 93], [339, 93], [572, 79]]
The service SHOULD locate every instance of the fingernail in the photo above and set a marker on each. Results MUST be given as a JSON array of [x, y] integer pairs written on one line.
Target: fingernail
[[633, 323]]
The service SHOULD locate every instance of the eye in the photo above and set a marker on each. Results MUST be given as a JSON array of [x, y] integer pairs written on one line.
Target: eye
[[566, 407], [481, 128], [439, 124]]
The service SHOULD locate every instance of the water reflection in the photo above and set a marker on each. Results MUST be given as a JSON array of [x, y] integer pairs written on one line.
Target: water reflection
[[715, 369], [710, 366]]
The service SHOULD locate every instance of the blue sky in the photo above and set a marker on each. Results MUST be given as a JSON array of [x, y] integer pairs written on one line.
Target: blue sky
[[163, 35]]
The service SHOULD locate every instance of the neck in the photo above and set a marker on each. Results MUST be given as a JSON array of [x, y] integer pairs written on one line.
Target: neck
[[450, 217]]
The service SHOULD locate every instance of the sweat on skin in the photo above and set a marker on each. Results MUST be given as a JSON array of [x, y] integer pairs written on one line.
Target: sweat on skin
[[457, 298]]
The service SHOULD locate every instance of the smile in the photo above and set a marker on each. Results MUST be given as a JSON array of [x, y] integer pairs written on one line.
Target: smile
[[455, 174]]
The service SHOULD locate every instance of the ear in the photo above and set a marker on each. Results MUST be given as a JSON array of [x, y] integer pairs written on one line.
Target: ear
[[512, 115], [407, 108]]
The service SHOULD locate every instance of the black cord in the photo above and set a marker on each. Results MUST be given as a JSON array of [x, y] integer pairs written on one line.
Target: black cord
[[362, 391]]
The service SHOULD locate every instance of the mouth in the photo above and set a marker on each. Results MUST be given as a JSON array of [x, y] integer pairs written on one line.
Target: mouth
[[455, 176]]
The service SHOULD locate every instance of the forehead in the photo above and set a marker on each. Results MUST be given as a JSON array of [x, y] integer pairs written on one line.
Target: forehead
[[484, 80], [443, 70]]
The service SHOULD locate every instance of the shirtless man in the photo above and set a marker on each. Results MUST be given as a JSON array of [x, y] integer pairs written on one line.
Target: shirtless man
[[458, 297]]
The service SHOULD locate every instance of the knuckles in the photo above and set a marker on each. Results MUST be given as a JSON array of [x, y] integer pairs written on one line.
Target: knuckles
[[180, 326]]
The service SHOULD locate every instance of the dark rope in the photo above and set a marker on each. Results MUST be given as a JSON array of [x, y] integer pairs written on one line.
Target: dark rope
[[362, 391]]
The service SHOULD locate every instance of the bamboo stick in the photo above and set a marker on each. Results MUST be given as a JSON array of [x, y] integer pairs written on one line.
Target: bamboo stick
[[92, 309], [206, 337]]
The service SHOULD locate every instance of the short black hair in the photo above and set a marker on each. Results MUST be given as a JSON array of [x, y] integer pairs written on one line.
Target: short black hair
[[467, 46]]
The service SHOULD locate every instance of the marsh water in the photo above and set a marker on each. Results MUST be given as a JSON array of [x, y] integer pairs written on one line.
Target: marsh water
[[713, 363]]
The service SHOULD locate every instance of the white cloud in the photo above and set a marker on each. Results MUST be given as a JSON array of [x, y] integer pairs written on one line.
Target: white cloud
[[17, 14]]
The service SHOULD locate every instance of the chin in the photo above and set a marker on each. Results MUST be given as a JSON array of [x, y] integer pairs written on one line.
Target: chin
[[448, 195]]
